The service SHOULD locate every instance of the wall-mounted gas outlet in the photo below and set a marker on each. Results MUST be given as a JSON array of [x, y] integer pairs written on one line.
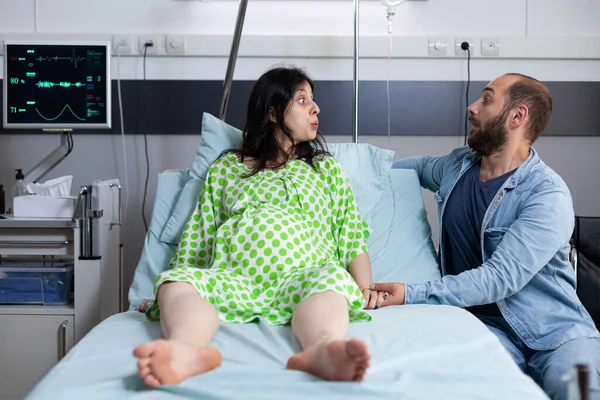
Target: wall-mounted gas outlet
[[490, 47], [122, 44], [458, 43], [156, 43]]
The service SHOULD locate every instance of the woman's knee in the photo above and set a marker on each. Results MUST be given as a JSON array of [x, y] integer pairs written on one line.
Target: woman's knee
[[325, 299], [329, 296], [173, 288]]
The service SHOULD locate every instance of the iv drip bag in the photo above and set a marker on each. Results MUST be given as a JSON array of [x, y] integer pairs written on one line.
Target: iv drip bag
[[390, 5]]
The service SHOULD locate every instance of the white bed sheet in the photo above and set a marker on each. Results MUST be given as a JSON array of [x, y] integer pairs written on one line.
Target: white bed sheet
[[418, 352]]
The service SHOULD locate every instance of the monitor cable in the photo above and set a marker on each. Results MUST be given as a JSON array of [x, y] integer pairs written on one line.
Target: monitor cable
[[120, 97], [465, 46], [146, 45]]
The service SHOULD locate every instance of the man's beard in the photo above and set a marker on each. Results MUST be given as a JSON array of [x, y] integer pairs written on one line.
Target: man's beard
[[491, 137]]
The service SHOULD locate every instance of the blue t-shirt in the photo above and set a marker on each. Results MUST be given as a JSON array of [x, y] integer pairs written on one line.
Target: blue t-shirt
[[463, 217]]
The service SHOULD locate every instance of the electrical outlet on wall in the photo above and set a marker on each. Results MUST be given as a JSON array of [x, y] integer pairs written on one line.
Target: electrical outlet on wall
[[175, 44], [156, 44], [122, 44], [458, 43], [438, 46], [490, 47]]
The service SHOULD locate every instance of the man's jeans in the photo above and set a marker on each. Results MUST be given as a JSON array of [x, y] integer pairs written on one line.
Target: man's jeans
[[547, 368]]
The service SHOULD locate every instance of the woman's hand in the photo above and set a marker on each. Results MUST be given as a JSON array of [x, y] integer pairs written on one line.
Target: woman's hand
[[373, 299]]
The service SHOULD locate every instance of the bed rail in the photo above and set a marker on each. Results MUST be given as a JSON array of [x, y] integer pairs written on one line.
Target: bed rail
[[235, 45]]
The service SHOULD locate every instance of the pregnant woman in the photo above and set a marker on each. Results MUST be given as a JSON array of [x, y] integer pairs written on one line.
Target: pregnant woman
[[276, 236]]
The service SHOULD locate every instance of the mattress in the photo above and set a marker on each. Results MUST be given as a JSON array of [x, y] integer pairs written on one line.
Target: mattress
[[418, 352]]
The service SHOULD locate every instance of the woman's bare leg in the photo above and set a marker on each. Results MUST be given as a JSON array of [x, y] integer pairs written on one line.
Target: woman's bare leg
[[321, 323], [188, 322]]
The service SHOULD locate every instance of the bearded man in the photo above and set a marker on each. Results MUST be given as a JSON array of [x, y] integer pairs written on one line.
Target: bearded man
[[506, 219]]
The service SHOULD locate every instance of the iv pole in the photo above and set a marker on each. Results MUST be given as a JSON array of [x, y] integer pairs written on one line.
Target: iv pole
[[355, 100], [233, 57], [235, 46]]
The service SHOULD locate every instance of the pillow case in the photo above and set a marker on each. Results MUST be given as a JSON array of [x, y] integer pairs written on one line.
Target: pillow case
[[216, 137], [400, 247], [367, 168], [156, 254]]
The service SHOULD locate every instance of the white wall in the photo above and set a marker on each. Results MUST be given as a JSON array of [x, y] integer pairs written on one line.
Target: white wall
[[524, 26], [441, 17]]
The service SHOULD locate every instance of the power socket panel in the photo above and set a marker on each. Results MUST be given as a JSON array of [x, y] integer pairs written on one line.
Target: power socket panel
[[122, 44], [156, 44], [459, 51], [175, 44], [438, 46], [490, 47]]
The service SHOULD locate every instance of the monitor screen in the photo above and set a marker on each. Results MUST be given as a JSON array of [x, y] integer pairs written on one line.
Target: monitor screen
[[56, 85]]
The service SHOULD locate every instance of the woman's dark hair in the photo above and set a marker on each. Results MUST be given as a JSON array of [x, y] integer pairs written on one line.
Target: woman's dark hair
[[273, 92]]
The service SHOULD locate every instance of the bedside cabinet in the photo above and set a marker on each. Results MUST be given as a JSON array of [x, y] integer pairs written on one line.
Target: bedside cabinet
[[52, 291]]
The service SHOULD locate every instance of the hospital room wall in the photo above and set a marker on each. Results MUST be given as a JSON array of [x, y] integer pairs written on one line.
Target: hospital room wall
[[575, 158], [306, 17]]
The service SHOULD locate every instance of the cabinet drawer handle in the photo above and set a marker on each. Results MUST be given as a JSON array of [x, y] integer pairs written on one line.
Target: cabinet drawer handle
[[27, 243], [63, 339], [120, 223]]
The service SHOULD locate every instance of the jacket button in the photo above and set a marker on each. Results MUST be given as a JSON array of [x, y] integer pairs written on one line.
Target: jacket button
[[505, 312], [525, 336]]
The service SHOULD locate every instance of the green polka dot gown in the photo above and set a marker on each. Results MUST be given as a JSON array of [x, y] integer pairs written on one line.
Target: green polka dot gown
[[256, 247]]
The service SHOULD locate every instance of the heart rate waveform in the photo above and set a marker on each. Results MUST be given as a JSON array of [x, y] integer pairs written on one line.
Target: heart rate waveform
[[61, 113], [46, 84], [74, 58]]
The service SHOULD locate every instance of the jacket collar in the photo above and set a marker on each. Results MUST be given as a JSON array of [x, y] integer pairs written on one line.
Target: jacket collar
[[532, 162]]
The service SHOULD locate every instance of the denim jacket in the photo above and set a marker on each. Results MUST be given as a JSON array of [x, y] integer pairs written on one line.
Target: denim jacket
[[525, 246]]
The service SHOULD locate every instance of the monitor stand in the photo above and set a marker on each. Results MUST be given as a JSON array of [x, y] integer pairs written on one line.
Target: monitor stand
[[52, 159]]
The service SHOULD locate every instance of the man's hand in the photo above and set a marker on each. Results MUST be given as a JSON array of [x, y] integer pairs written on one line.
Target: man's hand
[[395, 291], [144, 306], [373, 299]]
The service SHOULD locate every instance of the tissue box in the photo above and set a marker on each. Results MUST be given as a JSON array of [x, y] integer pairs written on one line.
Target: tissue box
[[43, 206], [59, 187]]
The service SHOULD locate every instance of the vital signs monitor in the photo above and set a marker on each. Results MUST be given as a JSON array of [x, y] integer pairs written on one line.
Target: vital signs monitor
[[56, 85]]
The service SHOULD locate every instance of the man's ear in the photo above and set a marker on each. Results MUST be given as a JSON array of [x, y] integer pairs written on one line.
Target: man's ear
[[519, 116]]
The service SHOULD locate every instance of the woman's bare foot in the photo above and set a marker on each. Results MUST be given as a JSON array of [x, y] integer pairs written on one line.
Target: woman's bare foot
[[168, 362], [339, 360]]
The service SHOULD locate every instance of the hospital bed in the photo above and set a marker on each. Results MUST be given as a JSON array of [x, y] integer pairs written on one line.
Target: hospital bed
[[418, 351]]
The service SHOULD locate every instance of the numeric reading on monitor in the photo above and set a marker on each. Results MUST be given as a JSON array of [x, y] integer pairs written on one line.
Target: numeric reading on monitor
[[61, 85]]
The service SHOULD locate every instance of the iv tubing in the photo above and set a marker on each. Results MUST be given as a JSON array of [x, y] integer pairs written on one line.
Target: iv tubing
[[355, 104], [388, 87]]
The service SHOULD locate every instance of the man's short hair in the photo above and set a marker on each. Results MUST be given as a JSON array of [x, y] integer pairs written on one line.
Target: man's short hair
[[536, 96]]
